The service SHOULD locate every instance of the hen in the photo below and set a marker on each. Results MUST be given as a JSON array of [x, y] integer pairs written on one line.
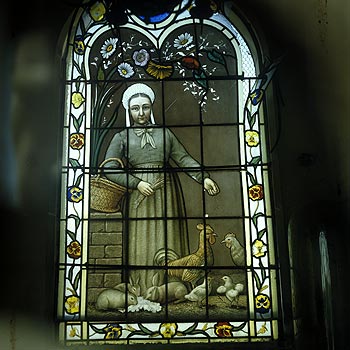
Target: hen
[[200, 292], [236, 249], [189, 266]]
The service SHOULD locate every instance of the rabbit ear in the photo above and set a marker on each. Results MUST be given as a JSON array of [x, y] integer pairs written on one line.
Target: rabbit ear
[[134, 280], [200, 226], [155, 279]]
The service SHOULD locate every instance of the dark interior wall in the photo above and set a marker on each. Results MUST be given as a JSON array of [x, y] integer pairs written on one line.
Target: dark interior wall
[[312, 149], [309, 156], [313, 81]]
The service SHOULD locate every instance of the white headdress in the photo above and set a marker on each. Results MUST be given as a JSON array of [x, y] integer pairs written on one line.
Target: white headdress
[[132, 91]]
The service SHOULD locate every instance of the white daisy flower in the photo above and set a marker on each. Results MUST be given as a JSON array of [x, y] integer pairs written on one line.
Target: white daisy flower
[[125, 70], [183, 40], [109, 47]]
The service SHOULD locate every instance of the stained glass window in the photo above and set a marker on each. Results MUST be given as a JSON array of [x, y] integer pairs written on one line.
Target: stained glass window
[[166, 228]]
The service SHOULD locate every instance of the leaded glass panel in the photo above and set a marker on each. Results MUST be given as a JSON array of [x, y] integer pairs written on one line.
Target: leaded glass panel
[[188, 252]]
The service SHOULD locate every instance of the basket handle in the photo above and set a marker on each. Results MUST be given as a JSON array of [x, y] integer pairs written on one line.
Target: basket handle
[[110, 160]]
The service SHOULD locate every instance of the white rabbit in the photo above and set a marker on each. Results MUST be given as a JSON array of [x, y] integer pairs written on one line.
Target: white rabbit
[[133, 286], [112, 299], [176, 291]]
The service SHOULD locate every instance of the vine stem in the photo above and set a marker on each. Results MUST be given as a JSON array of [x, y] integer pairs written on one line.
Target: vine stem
[[76, 212]]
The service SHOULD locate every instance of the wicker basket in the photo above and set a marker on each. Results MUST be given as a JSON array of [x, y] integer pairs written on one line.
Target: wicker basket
[[106, 195]]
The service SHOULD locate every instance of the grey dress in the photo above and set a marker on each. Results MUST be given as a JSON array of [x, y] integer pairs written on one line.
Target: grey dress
[[156, 221]]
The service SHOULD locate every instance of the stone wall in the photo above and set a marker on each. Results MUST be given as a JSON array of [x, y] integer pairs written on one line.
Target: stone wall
[[105, 250]]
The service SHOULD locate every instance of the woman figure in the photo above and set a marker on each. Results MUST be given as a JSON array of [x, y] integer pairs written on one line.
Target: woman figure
[[156, 191]]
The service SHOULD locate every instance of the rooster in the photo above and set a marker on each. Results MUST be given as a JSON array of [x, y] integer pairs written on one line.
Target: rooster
[[189, 265], [236, 249]]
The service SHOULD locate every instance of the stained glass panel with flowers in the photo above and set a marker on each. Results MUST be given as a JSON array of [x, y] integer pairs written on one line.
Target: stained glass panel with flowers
[[209, 94]]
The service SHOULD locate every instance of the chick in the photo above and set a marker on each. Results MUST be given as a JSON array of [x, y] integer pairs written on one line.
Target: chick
[[227, 285], [230, 290], [233, 294], [200, 292]]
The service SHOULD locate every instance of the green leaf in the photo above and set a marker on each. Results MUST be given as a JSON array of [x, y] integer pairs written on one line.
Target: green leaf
[[252, 178], [255, 160], [83, 74], [257, 280], [240, 327], [144, 329], [76, 124], [217, 57], [77, 67], [76, 219], [97, 330], [70, 274], [100, 74], [198, 331], [78, 180], [201, 79], [74, 163], [190, 329], [261, 233], [135, 333], [255, 218], [263, 271], [71, 235], [76, 280], [251, 118]]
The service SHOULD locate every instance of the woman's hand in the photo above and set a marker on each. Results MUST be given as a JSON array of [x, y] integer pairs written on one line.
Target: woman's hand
[[211, 187], [145, 188]]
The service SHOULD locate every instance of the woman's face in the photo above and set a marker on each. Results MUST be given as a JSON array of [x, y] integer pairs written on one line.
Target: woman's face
[[140, 109]]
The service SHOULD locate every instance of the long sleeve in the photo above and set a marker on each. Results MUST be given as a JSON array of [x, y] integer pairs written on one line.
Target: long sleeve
[[183, 159], [113, 170]]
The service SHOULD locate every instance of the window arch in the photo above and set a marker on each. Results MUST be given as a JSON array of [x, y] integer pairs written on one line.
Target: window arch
[[207, 123]]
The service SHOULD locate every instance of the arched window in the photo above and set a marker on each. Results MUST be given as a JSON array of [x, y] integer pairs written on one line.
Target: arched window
[[166, 227]]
